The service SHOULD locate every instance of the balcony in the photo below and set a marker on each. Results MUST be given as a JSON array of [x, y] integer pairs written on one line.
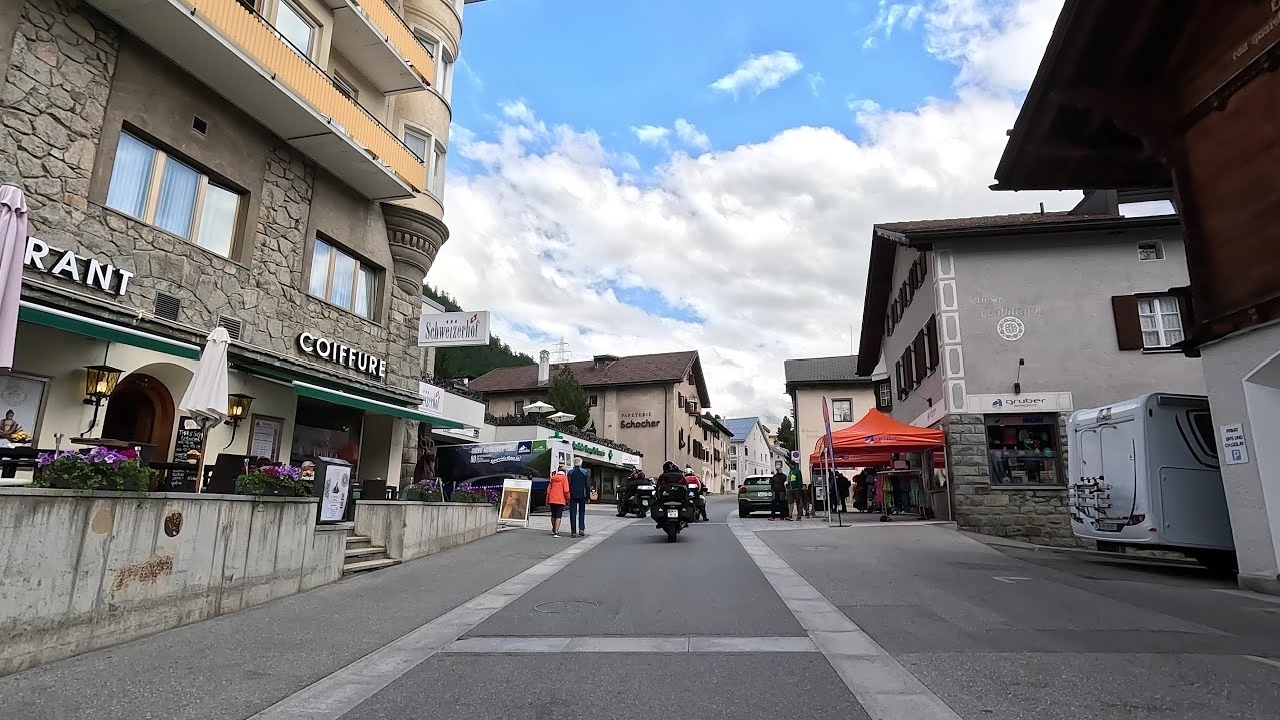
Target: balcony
[[240, 56], [377, 41]]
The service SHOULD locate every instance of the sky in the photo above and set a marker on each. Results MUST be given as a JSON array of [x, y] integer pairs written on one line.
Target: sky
[[659, 175]]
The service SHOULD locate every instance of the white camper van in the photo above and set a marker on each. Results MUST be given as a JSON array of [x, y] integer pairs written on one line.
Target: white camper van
[[1144, 472]]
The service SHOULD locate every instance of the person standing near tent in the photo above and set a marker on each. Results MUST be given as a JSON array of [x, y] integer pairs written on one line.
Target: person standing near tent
[[795, 492], [778, 484]]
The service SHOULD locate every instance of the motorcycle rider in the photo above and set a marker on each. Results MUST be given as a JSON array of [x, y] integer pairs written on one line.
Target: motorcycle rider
[[632, 487], [701, 499], [670, 474]]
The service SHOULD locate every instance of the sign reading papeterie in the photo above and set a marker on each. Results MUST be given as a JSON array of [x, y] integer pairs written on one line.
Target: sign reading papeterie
[[346, 356], [45, 258]]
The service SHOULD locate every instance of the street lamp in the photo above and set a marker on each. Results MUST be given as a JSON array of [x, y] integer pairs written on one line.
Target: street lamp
[[100, 381]]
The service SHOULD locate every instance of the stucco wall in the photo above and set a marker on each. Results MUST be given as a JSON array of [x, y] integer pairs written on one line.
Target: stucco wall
[[413, 529], [89, 570], [1060, 287], [923, 305], [1255, 510], [809, 425]]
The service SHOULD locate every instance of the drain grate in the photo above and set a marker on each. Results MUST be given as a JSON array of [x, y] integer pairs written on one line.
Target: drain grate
[[566, 606]]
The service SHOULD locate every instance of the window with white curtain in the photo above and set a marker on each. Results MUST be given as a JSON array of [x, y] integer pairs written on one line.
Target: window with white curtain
[[152, 186], [417, 141], [1161, 319], [341, 279]]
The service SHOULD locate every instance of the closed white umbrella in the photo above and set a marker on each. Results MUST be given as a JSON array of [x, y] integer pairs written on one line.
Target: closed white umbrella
[[206, 396], [13, 249]]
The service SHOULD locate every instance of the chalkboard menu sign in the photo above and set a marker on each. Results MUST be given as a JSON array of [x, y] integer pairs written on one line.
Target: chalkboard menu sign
[[190, 438]]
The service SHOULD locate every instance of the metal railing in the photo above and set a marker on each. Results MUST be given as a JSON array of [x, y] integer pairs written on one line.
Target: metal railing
[[400, 35], [242, 25]]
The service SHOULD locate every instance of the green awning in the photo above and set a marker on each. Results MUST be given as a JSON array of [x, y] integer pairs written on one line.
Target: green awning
[[373, 406], [110, 332]]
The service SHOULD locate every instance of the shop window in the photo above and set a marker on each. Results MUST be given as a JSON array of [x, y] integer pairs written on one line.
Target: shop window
[[154, 187], [842, 410], [1023, 450], [296, 26], [343, 280]]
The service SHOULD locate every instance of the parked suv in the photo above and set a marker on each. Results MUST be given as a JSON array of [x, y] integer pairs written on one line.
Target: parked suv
[[755, 494]]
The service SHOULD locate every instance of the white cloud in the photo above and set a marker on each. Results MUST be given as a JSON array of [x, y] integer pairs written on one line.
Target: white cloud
[[651, 134], [996, 43], [816, 81], [766, 244], [760, 73], [891, 16], [690, 135]]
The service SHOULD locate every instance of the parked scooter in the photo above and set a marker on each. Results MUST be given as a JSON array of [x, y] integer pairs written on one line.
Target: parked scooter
[[673, 503], [636, 499]]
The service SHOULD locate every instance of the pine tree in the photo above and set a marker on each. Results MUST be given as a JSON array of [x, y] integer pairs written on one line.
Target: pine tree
[[567, 396], [787, 434]]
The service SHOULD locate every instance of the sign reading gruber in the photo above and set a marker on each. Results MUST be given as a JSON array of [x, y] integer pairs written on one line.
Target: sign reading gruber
[[453, 329]]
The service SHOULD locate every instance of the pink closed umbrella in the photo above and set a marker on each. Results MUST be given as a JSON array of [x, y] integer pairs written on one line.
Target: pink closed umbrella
[[13, 250]]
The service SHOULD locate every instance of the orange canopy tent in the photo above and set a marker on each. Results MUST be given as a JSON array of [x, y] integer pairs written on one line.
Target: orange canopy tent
[[874, 439]]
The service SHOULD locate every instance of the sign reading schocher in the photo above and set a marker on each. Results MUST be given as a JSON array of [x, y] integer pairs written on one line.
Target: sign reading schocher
[[339, 354]]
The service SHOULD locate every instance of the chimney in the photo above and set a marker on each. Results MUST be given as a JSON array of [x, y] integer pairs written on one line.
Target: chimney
[[544, 367]]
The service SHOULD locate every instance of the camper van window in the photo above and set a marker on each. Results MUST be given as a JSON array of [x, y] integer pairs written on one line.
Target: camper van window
[[1023, 450], [1202, 426]]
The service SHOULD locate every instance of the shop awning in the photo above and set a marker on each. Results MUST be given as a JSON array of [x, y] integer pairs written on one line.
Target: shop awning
[[373, 406], [110, 332]]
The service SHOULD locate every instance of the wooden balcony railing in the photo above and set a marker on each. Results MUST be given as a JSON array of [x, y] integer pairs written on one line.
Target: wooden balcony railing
[[400, 36], [258, 39]]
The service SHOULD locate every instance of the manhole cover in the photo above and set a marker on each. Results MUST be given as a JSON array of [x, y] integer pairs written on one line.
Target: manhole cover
[[819, 547], [566, 606]]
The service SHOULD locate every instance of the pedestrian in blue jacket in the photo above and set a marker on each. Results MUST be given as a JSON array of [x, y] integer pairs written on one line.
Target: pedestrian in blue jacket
[[579, 492]]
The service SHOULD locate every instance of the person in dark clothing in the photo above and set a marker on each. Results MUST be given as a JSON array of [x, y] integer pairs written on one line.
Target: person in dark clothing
[[842, 486], [671, 474], [862, 487], [579, 492], [778, 483]]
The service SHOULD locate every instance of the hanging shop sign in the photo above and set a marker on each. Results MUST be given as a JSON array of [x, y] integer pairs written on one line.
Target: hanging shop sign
[[453, 329], [339, 354], [432, 399], [90, 272]]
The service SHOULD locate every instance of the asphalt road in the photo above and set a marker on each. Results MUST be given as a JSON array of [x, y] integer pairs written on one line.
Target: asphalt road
[[737, 620]]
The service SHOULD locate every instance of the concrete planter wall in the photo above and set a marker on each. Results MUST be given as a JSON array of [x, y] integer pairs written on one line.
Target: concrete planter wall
[[413, 529], [84, 570]]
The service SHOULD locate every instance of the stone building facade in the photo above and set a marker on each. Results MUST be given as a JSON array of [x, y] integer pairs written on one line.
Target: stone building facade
[[83, 96], [987, 339]]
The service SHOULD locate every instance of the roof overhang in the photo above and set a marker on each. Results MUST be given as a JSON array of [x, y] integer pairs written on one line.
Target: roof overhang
[[1087, 119]]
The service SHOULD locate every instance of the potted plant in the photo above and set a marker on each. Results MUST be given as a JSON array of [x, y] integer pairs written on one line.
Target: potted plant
[[98, 469], [425, 490], [468, 493], [274, 481]]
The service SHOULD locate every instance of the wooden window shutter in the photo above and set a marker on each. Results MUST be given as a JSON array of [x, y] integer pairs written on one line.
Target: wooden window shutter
[[1128, 325], [931, 335], [921, 360]]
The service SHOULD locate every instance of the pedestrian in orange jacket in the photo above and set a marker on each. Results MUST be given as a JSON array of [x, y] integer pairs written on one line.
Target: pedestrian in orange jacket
[[557, 498]]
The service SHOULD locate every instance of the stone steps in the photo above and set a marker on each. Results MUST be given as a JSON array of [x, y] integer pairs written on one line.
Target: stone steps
[[361, 555]]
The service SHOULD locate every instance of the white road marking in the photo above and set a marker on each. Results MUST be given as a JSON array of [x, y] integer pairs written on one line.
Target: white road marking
[[885, 689], [333, 696], [621, 644], [1264, 661], [1009, 580], [1249, 594]]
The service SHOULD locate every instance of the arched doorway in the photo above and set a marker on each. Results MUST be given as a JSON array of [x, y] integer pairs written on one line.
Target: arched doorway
[[141, 410]]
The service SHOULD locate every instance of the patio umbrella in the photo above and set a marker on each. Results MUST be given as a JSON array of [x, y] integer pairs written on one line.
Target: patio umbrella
[[206, 395], [13, 249], [561, 417], [539, 407]]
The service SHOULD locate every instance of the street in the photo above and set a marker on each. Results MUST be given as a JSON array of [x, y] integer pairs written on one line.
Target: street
[[739, 619]]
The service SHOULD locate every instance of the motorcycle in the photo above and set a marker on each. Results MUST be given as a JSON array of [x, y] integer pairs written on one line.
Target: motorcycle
[[638, 501], [673, 508]]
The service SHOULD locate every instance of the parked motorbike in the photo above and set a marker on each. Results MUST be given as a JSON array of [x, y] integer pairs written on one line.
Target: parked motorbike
[[674, 508], [637, 501]]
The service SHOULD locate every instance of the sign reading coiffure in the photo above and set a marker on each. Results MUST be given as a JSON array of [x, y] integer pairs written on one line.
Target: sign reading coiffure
[[339, 354]]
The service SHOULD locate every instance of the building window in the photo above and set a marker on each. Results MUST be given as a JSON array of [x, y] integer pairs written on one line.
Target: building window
[[435, 173], [153, 187], [431, 152], [443, 81], [342, 280], [595, 401], [519, 407], [842, 410], [346, 87], [733, 450], [1152, 250], [884, 395], [1023, 449], [295, 26], [419, 142], [1161, 320]]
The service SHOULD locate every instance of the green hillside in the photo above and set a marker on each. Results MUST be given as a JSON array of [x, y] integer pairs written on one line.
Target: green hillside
[[471, 361]]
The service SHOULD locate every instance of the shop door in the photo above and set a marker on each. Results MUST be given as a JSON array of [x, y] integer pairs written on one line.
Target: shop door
[[141, 410]]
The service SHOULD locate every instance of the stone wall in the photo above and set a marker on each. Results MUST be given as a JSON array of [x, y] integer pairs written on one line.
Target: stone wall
[[413, 529], [85, 570], [1034, 514], [52, 107]]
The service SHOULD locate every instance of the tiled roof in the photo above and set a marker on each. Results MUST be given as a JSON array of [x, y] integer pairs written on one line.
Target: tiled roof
[[741, 427], [990, 221], [824, 371], [633, 370]]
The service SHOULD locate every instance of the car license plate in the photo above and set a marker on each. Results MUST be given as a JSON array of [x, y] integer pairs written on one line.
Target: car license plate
[[1110, 527], [766, 494], [673, 513]]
